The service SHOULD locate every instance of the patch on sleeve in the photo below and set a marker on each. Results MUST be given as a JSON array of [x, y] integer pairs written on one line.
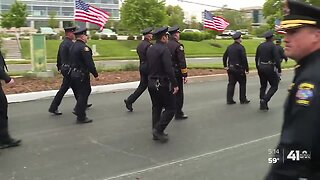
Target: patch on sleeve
[[86, 49], [304, 94], [181, 48]]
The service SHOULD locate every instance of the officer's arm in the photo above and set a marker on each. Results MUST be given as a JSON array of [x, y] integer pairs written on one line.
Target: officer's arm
[[283, 55], [182, 61], [167, 64], [244, 58], [3, 75], [225, 57], [276, 57], [257, 57], [89, 61]]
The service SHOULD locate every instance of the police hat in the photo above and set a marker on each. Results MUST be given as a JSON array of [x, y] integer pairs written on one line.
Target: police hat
[[268, 34], [147, 31], [160, 31], [298, 14], [80, 31], [236, 35], [72, 28], [174, 29]]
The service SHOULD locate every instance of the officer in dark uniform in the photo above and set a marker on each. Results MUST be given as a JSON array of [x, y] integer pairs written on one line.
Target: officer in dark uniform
[[268, 66], [6, 140], [180, 68], [82, 65], [236, 63], [162, 84], [281, 53], [299, 147], [63, 65], [143, 68]]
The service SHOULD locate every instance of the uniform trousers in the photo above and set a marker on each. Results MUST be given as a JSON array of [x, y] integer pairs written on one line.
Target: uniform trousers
[[179, 95], [140, 89], [267, 75], [235, 77], [4, 135], [83, 89]]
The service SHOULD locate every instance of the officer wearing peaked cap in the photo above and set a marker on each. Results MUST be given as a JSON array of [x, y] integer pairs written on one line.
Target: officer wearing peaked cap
[[299, 145], [143, 68], [281, 52], [180, 67], [82, 64], [268, 65], [63, 65], [236, 63], [162, 84]]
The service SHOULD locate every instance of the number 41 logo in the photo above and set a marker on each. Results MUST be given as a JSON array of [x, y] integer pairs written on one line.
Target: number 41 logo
[[294, 155]]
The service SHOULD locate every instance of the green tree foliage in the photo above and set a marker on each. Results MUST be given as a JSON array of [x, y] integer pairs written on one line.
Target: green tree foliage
[[16, 16], [53, 23], [139, 14], [176, 16], [236, 19]]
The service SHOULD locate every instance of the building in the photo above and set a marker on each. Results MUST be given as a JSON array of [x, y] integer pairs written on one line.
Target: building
[[39, 11], [255, 13]]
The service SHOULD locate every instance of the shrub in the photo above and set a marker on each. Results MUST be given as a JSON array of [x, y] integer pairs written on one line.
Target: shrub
[[130, 67], [130, 37], [52, 37], [139, 37], [94, 37], [113, 37], [195, 36], [104, 37]]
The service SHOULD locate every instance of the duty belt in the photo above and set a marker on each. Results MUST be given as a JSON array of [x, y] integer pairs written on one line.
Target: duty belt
[[267, 63]]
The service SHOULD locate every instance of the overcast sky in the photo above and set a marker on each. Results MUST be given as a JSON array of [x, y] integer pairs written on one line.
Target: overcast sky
[[194, 9]]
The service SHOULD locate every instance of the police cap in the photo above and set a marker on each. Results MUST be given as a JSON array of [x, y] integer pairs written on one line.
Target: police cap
[[174, 29], [268, 34], [298, 14], [80, 31], [236, 35], [160, 31], [67, 29], [147, 31]]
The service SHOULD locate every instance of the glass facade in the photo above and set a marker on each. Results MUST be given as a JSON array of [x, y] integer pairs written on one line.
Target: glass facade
[[39, 10]]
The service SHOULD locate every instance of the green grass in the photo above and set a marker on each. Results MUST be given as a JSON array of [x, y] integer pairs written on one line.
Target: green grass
[[126, 49]]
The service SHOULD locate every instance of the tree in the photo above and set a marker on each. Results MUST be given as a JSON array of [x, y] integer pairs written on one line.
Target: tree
[[53, 23], [236, 19], [15, 17], [139, 14], [176, 16]]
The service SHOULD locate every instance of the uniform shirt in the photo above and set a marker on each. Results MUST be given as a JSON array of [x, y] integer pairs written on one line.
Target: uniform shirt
[[3, 75], [63, 52], [267, 51], [142, 50], [81, 57], [281, 53], [301, 127], [178, 56], [159, 62], [235, 54]]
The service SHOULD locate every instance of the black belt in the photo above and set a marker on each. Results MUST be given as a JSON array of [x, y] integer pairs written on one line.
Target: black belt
[[267, 63]]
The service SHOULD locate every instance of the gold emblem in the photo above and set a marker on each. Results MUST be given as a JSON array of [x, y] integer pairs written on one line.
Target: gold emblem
[[181, 48]]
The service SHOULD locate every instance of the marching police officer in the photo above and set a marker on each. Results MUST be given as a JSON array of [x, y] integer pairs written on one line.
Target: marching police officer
[[63, 65], [180, 67], [281, 53], [268, 64], [162, 84], [143, 68], [6, 140], [299, 147], [82, 65], [236, 63]]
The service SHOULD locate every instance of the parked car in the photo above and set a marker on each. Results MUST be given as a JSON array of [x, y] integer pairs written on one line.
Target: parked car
[[107, 32], [191, 30], [228, 33], [243, 31], [47, 31]]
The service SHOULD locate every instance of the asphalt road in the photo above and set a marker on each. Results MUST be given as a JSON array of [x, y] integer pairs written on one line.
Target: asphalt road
[[119, 63], [217, 142]]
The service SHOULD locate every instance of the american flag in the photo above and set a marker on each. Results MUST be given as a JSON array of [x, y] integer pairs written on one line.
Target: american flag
[[214, 22], [277, 27], [86, 13]]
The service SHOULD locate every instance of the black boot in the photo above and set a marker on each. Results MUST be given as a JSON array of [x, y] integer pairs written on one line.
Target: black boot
[[128, 105], [263, 105], [84, 121], [245, 101], [56, 112], [6, 141], [162, 137]]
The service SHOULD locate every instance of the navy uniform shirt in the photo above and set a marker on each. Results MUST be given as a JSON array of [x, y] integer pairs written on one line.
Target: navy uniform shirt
[[159, 62], [281, 53], [142, 50], [235, 54], [267, 52], [178, 56], [63, 52], [3, 75], [81, 57]]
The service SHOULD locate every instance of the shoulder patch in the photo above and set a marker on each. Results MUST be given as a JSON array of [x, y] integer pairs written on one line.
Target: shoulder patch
[[86, 49], [304, 94], [181, 48]]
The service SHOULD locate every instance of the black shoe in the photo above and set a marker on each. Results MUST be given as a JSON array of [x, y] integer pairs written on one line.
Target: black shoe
[[162, 137], [231, 102], [128, 105], [86, 120], [263, 105], [180, 117], [10, 143], [89, 105], [56, 112], [245, 102], [156, 138]]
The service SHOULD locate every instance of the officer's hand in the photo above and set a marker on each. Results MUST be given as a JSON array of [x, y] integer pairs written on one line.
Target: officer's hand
[[247, 72], [226, 68], [11, 81], [175, 90], [185, 80], [97, 78]]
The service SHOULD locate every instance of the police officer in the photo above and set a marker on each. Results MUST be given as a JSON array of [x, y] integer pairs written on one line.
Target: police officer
[[63, 65], [162, 84], [281, 53], [299, 147], [6, 140], [236, 63], [143, 68], [268, 66], [180, 68], [82, 64]]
